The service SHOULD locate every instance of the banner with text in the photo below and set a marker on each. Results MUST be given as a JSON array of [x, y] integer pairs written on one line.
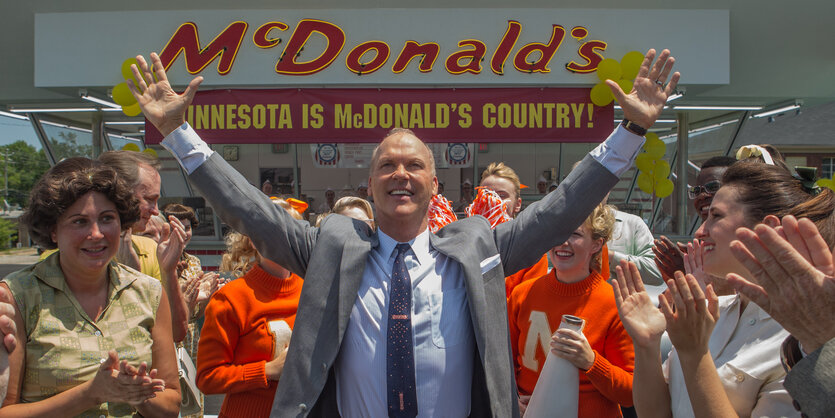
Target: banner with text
[[366, 115]]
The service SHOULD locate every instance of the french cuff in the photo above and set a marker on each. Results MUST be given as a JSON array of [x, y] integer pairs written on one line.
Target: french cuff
[[256, 373], [618, 151], [187, 147]]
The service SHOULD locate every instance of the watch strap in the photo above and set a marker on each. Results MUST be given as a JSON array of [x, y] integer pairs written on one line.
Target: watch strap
[[634, 127]]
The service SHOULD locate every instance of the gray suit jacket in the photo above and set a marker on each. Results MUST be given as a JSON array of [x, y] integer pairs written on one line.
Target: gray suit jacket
[[811, 382], [332, 260]]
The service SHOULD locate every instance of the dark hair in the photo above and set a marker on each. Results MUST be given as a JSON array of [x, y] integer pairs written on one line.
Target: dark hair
[[718, 161], [66, 182], [771, 190], [181, 212], [127, 163]]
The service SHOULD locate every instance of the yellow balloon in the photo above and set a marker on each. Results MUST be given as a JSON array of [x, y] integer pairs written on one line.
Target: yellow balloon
[[131, 147], [122, 95], [644, 162], [608, 69], [625, 85], [830, 183], [150, 151], [126, 72], [655, 148], [601, 95], [652, 136], [132, 110], [664, 188], [661, 171], [645, 183], [631, 63]]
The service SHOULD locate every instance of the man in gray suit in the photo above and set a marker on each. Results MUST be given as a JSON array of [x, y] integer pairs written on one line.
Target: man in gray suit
[[399, 321], [795, 273]]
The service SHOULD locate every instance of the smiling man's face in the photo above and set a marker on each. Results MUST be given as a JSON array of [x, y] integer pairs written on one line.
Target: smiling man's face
[[402, 182]]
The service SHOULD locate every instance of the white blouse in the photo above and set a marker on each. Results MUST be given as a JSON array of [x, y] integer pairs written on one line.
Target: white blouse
[[745, 347]]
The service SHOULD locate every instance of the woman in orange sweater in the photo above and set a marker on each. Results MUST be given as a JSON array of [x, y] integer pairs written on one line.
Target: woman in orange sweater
[[245, 336], [603, 352]]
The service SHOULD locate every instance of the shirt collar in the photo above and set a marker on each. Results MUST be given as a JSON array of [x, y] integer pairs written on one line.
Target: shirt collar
[[49, 271], [420, 246]]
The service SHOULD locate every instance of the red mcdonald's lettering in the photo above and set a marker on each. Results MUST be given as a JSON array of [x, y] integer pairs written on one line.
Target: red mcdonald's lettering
[[547, 51], [588, 51], [260, 39], [412, 49], [475, 55], [352, 61], [514, 28], [334, 41], [226, 44]]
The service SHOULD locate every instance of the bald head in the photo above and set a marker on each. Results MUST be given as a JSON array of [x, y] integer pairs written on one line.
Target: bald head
[[407, 135]]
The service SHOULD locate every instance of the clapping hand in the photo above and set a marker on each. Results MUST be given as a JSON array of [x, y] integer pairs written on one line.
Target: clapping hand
[[171, 245], [669, 257], [118, 381], [793, 278], [689, 319], [642, 320]]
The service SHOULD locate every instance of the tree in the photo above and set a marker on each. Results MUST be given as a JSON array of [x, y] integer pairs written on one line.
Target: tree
[[7, 229], [21, 166]]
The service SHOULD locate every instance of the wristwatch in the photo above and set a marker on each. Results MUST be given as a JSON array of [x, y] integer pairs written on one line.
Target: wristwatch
[[634, 127]]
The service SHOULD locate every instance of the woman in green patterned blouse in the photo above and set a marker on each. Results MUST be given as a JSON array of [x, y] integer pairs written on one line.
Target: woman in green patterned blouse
[[95, 339]]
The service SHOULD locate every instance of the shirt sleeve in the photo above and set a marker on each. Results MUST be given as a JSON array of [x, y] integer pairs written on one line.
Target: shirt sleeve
[[618, 151], [187, 147], [216, 371]]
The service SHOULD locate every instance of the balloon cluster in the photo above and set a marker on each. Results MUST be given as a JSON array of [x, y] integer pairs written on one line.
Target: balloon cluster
[[653, 169], [135, 148], [623, 73], [121, 93]]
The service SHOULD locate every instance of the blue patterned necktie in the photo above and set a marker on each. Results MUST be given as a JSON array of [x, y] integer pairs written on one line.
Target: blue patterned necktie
[[400, 359]]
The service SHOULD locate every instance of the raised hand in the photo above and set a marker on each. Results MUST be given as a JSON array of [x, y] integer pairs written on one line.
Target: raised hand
[[159, 102], [8, 328], [191, 292], [668, 257], [691, 322], [795, 286], [649, 93], [641, 319], [171, 245]]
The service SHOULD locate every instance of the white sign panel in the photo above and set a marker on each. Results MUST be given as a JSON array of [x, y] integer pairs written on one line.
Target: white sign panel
[[393, 47]]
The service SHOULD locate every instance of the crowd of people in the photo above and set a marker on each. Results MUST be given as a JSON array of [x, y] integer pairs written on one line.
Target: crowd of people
[[367, 313]]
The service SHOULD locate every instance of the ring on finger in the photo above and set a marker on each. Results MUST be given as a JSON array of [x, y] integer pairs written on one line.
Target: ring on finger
[[659, 83]]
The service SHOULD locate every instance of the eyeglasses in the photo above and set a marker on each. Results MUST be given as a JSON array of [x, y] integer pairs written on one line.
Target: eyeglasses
[[710, 188]]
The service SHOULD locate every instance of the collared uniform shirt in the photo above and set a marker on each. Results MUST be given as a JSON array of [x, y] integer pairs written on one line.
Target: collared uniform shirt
[[745, 347], [444, 345]]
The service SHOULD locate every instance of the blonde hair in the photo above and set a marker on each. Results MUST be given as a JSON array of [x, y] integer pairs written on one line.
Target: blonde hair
[[240, 253], [505, 172], [349, 202], [601, 224]]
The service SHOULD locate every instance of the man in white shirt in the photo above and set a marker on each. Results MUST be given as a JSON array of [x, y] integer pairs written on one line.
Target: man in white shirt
[[452, 356]]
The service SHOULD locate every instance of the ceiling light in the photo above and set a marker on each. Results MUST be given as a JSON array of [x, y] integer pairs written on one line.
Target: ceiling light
[[126, 122], [85, 96], [686, 107], [674, 96], [778, 110], [12, 115], [63, 109]]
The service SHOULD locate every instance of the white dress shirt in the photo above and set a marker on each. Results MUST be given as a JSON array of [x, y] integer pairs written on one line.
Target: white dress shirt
[[444, 345]]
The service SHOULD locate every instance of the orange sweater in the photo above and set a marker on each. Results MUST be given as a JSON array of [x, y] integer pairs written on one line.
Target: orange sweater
[[236, 342], [535, 309], [532, 272]]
